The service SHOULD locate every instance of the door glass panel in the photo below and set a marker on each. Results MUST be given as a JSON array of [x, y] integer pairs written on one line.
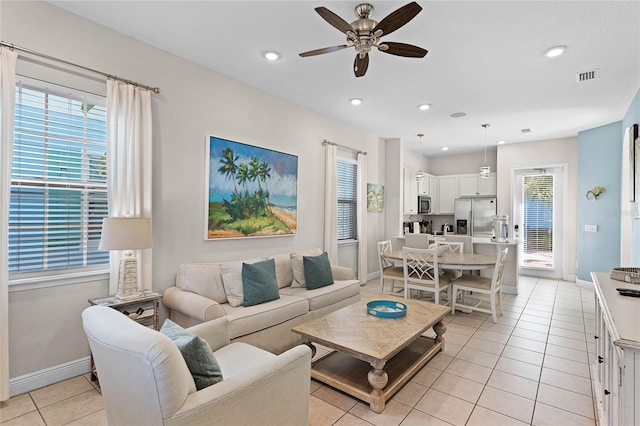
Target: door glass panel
[[537, 215]]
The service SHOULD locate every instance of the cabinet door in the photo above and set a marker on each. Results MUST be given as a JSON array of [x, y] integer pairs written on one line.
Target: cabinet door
[[433, 191], [424, 185], [468, 184], [447, 193], [488, 186], [410, 199]]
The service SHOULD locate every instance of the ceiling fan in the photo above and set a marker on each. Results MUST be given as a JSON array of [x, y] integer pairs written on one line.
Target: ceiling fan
[[364, 34]]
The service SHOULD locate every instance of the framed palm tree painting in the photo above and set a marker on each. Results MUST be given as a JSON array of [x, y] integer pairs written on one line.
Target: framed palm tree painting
[[250, 192]]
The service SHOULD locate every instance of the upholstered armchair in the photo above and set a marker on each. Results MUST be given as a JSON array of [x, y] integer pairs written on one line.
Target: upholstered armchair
[[145, 380]]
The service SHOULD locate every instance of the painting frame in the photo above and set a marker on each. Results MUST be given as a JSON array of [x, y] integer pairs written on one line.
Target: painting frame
[[375, 197], [250, 191]]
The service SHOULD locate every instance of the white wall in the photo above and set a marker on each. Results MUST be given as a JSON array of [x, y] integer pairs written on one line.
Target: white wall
[[194, 103], [536, 154], [461, 163]]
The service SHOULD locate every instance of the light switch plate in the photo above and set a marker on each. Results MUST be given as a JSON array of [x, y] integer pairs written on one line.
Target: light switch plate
[[591, 228]]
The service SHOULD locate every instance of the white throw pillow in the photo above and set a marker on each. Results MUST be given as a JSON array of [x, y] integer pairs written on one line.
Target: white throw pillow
[[297, 266], [283, 269], [232, 280]]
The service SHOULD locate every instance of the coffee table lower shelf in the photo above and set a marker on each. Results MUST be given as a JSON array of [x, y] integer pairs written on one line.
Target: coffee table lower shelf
[[354, 376]]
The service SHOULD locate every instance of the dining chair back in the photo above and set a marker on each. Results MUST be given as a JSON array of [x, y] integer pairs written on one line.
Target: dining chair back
[[481, 285], [387, 267], [453, 247], [467, 241], [417, 240], [421, 273]]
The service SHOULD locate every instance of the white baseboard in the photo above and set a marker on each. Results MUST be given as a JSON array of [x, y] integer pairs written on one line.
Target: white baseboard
[[373, 275], [572, 278], [48, 376], [584, 284]]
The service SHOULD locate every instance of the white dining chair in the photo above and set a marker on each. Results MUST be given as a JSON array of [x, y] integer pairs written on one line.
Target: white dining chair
[[417, 240], [480, 285], [421, 273], [453, 247], [388, 269]]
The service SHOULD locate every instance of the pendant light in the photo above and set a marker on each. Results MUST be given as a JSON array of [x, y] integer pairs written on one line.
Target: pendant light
[[485, 171], [420, 174]]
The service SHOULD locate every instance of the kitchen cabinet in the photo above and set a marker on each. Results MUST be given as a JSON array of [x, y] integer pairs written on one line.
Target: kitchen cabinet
[[410, 192], [424, 185], [447, 193], [615, 367], [473, 184]]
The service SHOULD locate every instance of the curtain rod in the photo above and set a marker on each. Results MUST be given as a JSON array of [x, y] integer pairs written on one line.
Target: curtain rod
[[155, 90], [326, 142]]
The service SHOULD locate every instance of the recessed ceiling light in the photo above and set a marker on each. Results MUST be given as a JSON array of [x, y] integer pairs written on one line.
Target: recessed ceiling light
[[555, 51], [458, 114], [355, 101], [271, 55], [424, 107], [501, 142], [445, 148]]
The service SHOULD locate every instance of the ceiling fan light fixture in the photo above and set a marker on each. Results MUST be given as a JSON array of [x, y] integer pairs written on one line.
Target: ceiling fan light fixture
[[271, 56], [355, 101], [555, 51], [424, 107]]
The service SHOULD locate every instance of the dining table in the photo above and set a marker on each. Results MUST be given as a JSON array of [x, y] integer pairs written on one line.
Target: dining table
[[449, 260]]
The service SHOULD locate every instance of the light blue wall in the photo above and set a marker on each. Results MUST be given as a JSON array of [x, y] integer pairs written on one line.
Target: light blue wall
[[599, 163], [633, 117]]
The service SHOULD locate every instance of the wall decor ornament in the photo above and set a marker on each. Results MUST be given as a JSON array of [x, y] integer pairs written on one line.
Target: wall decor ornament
[[250, 191], [375, 197], [595, 192]]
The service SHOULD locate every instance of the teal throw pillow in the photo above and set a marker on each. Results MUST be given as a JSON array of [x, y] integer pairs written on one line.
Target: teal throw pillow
[[317, 271], [259, 283], [197, 354]]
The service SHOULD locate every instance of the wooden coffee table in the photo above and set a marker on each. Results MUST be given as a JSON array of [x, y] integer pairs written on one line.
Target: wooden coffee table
[[374, 356]]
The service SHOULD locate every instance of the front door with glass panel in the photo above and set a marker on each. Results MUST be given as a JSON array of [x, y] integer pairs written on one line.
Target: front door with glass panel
[[538, 212]]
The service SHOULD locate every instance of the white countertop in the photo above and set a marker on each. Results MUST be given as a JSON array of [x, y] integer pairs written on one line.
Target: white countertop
[[476, 240]]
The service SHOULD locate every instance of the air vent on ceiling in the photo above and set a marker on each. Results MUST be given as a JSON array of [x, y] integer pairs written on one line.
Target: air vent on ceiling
[[587, 75], [524, 131]]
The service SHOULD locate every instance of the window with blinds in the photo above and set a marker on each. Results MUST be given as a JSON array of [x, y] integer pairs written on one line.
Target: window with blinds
[[347, 200], [538, 204], [58, 180]]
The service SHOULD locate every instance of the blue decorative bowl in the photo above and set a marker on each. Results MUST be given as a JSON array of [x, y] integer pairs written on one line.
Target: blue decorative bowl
[[386, 309]]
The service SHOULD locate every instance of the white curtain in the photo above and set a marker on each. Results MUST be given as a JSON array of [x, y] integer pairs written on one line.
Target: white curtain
[[7, 114], [330, 203], [362, 218], [129, 166]]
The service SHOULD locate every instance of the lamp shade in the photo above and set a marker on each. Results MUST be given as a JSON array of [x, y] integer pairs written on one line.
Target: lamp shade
[[125, 233]]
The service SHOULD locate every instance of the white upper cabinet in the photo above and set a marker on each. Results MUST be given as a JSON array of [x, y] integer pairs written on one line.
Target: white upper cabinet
[[473, 184], [424, 185], [447, 193], [410, 193]]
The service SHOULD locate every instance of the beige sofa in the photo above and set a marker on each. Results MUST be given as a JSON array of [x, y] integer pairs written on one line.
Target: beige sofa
[[145, 380], [203, 292]]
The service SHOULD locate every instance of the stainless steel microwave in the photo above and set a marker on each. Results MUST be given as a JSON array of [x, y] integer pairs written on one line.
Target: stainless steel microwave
[[424, 204]]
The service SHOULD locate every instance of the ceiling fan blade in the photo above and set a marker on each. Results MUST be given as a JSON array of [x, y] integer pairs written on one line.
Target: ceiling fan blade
[[398, 18], [360, 65], [337, 22], [402, 49], [323, 50]]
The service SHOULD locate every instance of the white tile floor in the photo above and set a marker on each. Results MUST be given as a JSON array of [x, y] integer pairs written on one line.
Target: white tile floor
[[529, 368]]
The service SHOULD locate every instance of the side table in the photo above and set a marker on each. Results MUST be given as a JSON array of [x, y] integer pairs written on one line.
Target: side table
[[143, 309]]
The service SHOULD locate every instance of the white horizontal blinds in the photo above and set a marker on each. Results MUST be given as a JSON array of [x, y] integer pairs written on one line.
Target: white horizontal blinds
[[59, 181], [347, 191], [538, 206]]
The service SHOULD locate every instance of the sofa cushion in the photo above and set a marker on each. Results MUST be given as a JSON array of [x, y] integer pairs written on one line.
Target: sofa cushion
[[196, 353], [246, 320], [284, 274], [238, 357], [204, 279], [317, 271], [259, 284], [324, 296], [232, 280], [297, 266]]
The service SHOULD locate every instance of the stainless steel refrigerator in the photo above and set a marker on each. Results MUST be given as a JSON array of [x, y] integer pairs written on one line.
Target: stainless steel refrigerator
[[473, 216]]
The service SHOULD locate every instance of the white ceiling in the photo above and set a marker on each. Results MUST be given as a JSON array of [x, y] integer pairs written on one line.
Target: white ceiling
[[485, 59]]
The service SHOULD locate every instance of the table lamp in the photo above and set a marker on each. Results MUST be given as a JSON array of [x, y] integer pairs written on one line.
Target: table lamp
[[126, 233]]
